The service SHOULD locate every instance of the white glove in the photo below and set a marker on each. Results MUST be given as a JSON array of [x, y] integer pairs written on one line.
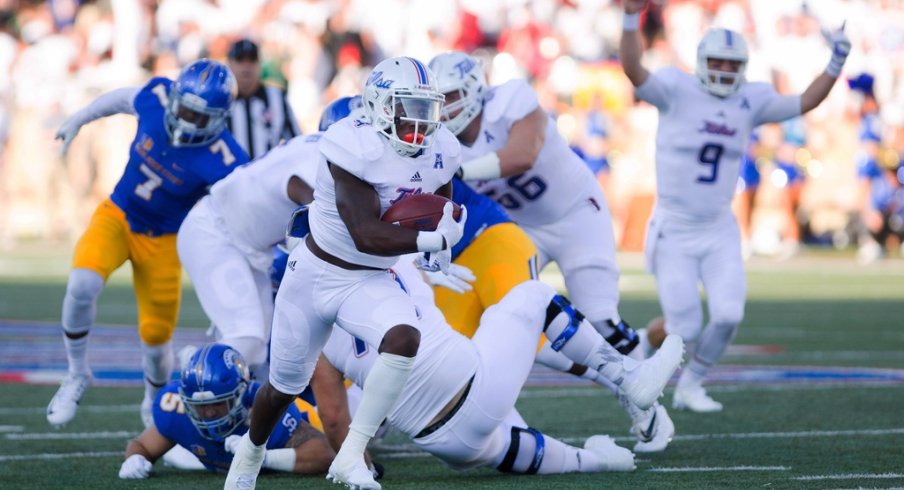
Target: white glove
[[232, 443], [450, 229], [136, 467], [438, 262], [458, 278], [841, 48], [67, 132]]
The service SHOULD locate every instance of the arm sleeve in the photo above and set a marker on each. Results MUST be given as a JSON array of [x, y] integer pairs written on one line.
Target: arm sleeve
[[657, 89], [775, 107], [119, 101]]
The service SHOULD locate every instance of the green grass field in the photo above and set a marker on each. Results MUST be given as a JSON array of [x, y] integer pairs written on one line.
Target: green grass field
[[819, 311]]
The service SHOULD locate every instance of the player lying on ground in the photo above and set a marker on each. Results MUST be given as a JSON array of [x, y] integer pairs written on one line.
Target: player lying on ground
[[459, 402], [209, 404]]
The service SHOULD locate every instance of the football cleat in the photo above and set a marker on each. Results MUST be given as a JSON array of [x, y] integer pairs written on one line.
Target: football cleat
[[246, 464], [655, 436], [695, 399], [352, 473], [612, 456], [643, 385], [64, 403]]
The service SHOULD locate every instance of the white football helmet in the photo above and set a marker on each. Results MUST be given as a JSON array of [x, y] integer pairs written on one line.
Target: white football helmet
[[722, 44], [403, 103], [458, 72]]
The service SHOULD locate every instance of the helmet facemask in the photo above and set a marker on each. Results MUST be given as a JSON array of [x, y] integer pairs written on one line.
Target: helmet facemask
[[190, 122], [408, 118], [722, 45], [216, 416], [462, 80]]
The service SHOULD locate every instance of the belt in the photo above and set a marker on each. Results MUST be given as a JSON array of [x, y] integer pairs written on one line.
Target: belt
[[430, 429], [332, 259]]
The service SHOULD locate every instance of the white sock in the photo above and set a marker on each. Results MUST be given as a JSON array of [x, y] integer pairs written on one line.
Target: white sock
[[381, 390], [596, 377], [587, 347], [158, 367], [552, 359], [77, 354]]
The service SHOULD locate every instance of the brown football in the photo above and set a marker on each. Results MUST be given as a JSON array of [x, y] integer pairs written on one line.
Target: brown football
[[420, 212]]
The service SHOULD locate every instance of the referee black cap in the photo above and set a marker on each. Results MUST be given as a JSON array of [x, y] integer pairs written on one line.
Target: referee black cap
[[243, 49]]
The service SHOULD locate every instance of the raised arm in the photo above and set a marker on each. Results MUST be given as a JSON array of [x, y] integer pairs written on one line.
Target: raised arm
[[631, 49], [525, 140], [820, 87], [118, 101]]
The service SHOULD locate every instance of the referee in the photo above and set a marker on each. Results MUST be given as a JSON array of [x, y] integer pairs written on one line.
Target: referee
[[260, 117]]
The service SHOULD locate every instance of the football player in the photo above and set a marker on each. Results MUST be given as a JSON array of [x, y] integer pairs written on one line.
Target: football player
[[208, 406], [459, 401], [181, 147], [227, 240], [339, 274], [705, 121], [513, 153]]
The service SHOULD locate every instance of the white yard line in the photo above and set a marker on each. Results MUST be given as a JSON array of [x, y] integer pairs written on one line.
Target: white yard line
[[851, 476], [34, 457], [701, 469], [591, 391], [50, 436], [11, 428], [82, 408]]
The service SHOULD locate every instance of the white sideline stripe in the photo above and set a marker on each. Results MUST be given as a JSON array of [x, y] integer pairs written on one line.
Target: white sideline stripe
[[850, 476], [32, 457], [48, 436], [11, 428], [82, 408], [701, 469]]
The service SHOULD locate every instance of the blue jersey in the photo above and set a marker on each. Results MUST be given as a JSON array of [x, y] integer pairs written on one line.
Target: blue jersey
[[173, 423], [162, 182], [483, 213]]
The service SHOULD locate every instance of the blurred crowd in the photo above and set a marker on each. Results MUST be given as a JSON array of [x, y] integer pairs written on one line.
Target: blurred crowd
[[831, 178]]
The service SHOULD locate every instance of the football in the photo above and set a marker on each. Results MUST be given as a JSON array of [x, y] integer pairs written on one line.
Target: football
[[420, 212]]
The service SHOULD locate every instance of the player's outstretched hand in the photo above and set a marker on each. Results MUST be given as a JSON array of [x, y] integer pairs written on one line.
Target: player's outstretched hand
[[452, 230], [67, 133], [458, 278], [634, 6], [841, 48], [231, 443], [135, 467]]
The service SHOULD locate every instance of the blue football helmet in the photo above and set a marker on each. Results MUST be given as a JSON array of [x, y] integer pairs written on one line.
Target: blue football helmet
[[339, 109], [199, 103], [212, 386]]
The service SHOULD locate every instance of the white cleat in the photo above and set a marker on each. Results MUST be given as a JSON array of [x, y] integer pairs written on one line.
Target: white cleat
[[147, 415], [695, 399], [612, 456], [352, 473], [64, 403], [656, 434], [643, 385], [246, 464]]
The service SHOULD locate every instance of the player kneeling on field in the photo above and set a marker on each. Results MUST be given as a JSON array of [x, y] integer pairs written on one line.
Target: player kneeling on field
[[207, 406]]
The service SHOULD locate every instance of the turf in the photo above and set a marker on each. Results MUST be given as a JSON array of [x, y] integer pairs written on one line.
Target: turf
[[811, 432]]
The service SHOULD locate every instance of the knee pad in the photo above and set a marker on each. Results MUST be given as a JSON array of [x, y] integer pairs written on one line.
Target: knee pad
[[79, 305], [558, 305], [155, 332], [525, 452], [84, 285], [731, 314]]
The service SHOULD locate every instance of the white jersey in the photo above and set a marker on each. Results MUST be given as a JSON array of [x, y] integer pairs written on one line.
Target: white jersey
[[445, 361], [701, 139], [354, 146], [253, 200], [558, 179]]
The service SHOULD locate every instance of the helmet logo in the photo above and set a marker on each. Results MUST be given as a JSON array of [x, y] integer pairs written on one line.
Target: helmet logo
[[229, 358], [464, 66], [376, 79]]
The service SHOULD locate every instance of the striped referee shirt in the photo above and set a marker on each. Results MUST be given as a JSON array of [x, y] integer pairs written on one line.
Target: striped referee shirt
[[261, 121]]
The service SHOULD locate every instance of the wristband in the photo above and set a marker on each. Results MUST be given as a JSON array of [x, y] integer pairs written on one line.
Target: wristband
[[280, 459], [631, 22], [485, 167], [834, 68], [430, 241]]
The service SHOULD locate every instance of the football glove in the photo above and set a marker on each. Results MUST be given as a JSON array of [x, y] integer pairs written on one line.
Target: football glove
[[458, 278], [438, 262], [135, 467], [841, 48], [450, 229], [67, 133]]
